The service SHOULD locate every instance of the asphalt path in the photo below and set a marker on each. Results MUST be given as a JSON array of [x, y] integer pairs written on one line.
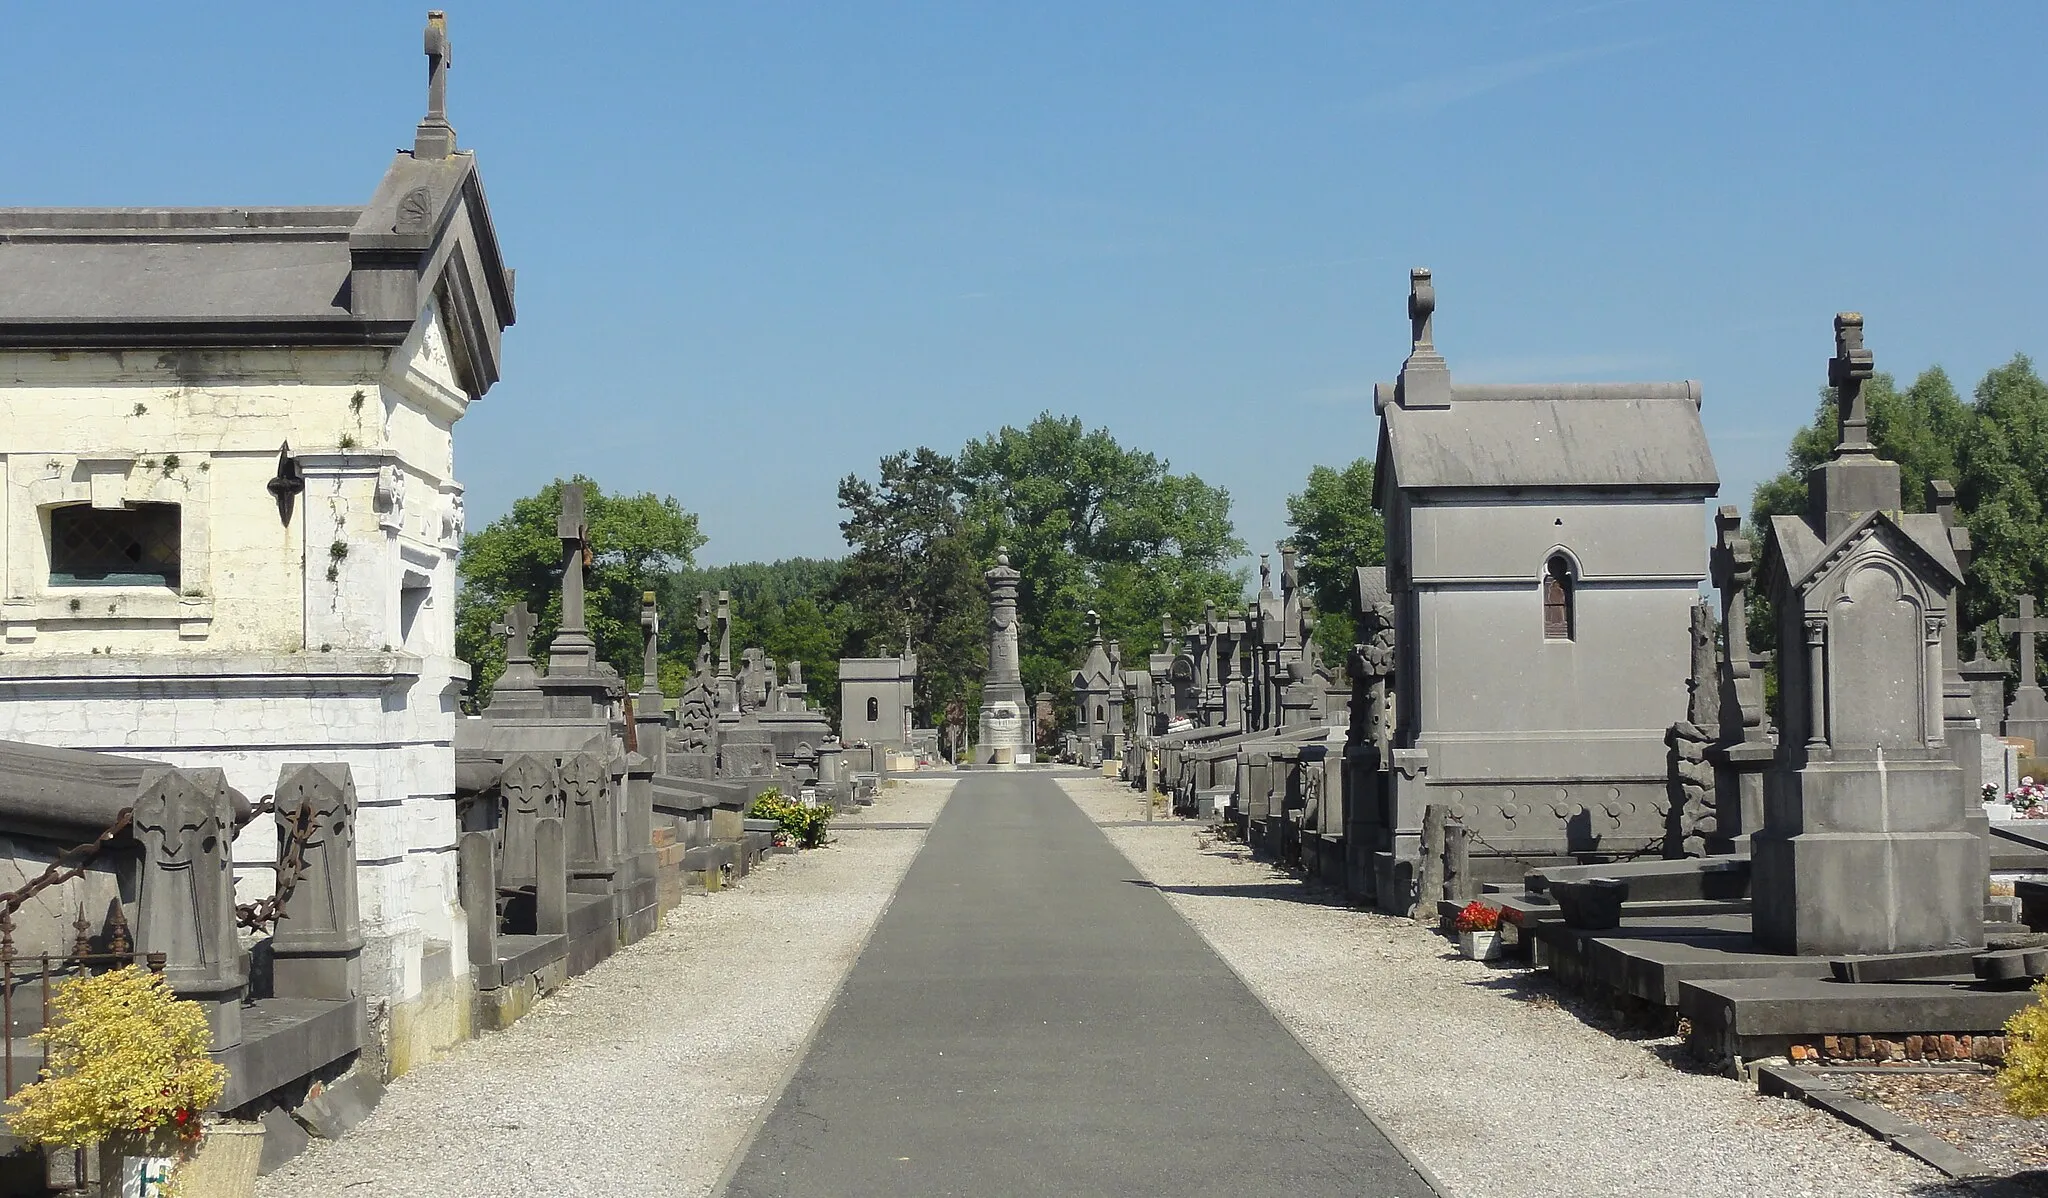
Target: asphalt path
[[1031, 1017]]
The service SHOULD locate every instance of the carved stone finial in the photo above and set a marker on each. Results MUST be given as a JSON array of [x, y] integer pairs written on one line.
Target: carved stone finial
[[1421, 308], [435, 137], [1848, 370], [1425, 380]]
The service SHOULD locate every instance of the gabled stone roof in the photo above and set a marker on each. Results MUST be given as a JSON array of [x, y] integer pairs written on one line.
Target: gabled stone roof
[[147, 278], [1804, 557], [1436, 434], [1557, 435]]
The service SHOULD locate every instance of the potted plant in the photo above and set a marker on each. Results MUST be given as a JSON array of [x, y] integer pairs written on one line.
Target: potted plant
[[1478, 928], [128, 1072]]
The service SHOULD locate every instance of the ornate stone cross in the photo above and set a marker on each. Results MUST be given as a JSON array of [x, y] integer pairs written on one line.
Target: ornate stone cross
[[2026, 628], [1851, 366]]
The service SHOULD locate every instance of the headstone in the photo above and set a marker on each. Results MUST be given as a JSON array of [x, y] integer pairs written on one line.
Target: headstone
[[186, 899], [527, 794], [1865, 846], [2027, 716], [590, 821], [572, 650], [316, 950]]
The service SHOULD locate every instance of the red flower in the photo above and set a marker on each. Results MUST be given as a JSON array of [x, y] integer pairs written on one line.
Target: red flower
[[1477, 917]]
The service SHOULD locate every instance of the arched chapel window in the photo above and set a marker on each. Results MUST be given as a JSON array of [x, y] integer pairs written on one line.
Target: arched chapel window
[[1557, 599], [874, 710], [1098, 713]]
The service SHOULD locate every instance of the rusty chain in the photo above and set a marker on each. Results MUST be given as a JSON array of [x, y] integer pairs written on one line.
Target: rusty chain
[[291, 870]]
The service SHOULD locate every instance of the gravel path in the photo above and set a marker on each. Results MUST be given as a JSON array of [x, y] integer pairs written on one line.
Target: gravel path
[[643, 1075], [1480, 1072]]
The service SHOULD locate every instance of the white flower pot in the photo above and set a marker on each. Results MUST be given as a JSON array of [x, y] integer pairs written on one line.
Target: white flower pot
[[1480, 946]]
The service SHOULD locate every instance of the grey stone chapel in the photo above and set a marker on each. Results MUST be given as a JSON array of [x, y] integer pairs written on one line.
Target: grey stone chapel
[[1543, 560]]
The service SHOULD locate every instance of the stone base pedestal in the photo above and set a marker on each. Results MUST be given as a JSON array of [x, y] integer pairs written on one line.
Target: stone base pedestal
[[1883, 861]]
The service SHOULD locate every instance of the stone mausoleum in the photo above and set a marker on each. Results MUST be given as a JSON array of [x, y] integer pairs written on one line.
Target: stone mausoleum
[[1543, 559], [877, 698], [232, 515]]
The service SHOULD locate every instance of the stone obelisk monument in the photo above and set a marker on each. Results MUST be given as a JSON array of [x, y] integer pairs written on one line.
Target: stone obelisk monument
[[1006, 733]]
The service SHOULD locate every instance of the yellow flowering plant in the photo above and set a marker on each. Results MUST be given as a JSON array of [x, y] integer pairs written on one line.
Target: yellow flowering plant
[[126, 1057]]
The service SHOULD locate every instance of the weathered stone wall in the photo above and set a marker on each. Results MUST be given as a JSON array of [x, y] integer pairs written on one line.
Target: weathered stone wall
[[329, 637]]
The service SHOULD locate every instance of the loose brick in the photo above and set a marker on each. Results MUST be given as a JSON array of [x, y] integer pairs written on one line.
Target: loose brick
[[1915, 1048], [1866, 1047]]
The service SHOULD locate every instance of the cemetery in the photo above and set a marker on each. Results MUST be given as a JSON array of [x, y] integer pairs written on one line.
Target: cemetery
[[1052, 837]]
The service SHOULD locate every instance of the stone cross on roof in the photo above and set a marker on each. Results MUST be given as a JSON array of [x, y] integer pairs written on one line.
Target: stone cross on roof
[[517, 629], [1425, 380], [435, 137], [2027, 627], [1421, 309], [1847, 372], [1095, 623]]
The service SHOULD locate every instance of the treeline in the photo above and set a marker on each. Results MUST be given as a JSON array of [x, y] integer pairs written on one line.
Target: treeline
[[1091, 524], [1993, 447]]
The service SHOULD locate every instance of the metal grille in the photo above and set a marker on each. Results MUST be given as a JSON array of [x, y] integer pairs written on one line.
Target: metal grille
[[96, 547]]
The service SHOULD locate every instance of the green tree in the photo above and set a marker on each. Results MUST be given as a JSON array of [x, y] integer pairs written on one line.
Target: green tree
[[1091, 524], [783, 607], [2000, 492], [635, 540], [1336, 529], [913, 572]]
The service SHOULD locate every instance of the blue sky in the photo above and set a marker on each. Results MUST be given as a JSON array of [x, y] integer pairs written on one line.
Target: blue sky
[[761, 245]]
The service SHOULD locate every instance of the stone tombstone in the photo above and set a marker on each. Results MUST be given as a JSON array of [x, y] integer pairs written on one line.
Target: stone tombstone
[[2027, 716], [572, 650], [1865, 846], [1694, 815], [527, 793], [1745, 746], [648, 707], [185, 904], [316, 951], [590, 821], [1986, 677]]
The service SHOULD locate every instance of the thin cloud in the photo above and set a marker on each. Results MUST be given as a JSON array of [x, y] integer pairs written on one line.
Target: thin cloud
[[1442, 91]]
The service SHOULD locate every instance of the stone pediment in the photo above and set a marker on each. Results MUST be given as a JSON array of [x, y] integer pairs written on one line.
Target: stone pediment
[[1807, 562], [426, 238]]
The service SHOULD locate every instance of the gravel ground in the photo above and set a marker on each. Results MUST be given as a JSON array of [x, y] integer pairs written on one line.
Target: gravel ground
[[905, 799], [643, 1075], [1483, 1072], [1108, 801]]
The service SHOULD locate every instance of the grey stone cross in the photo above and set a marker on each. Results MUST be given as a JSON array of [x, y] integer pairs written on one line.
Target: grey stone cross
[[439, 59], [1421, 308], [517, 629], [1847, 371], [2026, 628], [575, 555], [650, 649], [434, 139]]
